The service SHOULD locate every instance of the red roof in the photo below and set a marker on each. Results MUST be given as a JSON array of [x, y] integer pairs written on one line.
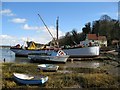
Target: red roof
[[95, 37], [92, 36]]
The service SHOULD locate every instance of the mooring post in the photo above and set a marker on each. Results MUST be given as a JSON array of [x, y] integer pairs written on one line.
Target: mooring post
[[72, 60], [4, 60]]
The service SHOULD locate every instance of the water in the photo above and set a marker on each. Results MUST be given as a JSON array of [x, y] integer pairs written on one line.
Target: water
[[85, 64], [9, 56]]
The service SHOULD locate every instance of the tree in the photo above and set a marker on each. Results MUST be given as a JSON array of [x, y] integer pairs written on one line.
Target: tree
[[95, 27], [105, 26], [87, 28], [68, 39], [75, 37], [105, 18], [115, 33]]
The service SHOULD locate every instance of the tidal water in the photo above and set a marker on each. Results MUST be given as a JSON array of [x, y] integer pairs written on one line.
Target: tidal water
[[9, 56], [6, 55]]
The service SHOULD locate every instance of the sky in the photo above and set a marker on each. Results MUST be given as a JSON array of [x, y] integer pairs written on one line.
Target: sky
[[20, 20]]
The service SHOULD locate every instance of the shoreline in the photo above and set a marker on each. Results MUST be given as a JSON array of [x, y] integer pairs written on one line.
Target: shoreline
[[75, 73], [66, 76]]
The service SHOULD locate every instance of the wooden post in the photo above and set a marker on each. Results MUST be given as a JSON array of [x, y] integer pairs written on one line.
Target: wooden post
[[72, 60]]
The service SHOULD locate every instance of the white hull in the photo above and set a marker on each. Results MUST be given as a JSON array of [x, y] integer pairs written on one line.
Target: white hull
[[48, 67], [49, 58], [28, 79], [81, 52]]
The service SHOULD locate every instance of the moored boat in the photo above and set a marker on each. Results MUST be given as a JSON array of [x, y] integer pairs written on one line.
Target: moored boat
[[48, 67], [73, 52], [83, 52], [52, 56], [29, 79]]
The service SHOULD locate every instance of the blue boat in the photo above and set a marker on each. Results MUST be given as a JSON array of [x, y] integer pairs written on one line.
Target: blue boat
[[29, 79]]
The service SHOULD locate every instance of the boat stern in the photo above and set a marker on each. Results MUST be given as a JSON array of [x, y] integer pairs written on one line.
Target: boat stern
[[44, 79]]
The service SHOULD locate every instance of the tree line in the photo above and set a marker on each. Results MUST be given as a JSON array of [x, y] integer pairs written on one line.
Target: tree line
[[105, 26]]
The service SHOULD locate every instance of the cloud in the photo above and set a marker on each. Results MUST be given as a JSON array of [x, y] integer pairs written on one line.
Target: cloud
[[52, 30], [27, 27], [5, 36], [43, 30], [42, 36], [7, 12], [18, 20], [11, 40], [7, 40]]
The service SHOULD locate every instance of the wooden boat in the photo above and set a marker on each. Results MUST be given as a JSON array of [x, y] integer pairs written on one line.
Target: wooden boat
[[73, 52], [48, 67], [83, 52], [29, 79], [52, 56]]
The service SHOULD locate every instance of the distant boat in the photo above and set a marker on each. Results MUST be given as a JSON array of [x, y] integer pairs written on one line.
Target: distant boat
[[48, 67], [29, 79], [52, 56]]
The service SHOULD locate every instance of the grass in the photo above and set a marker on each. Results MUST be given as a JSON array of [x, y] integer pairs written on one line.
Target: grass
[[86, 70], [82, 77], [98, 80]]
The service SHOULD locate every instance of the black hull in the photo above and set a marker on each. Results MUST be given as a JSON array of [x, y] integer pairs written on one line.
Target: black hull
[[20, 55]]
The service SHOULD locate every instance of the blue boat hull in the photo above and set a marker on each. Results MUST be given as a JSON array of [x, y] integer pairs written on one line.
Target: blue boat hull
[[31, 82]]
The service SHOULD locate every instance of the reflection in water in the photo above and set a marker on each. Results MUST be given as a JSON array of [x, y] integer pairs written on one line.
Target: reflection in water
[[7, 55], [85, 64], [22, 60]]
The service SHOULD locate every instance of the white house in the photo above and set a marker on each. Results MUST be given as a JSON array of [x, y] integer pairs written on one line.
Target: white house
[[94, 39]]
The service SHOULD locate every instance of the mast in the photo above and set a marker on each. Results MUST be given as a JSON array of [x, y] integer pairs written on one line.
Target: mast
[[57, 31], [46, 27], [55, 42], [57, 27]]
